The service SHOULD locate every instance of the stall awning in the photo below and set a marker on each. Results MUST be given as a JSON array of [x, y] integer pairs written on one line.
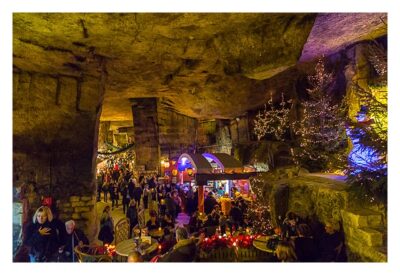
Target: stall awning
[[197, 161], [201, 179], [227, 163]]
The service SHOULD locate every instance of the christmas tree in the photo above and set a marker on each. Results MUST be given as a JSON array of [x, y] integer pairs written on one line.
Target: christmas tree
[[321, 129], [367, 171], [258, 213]]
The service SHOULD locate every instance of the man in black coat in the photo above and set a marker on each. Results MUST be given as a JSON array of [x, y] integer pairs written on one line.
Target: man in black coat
[[183, 251], [137, 193], [209, 203]]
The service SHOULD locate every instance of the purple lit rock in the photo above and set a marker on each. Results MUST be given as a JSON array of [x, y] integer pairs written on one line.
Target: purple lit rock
[[334, 31]]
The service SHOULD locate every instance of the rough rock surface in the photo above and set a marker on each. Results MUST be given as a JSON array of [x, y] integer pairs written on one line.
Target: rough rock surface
[[334, 31], [204, 65], [327, 199]]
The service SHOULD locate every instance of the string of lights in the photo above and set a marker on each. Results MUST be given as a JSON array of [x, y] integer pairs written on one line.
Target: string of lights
[[273, 120]]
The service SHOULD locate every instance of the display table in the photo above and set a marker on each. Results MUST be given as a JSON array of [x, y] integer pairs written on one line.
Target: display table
[[124, 248], [261, 244], [156, 233]]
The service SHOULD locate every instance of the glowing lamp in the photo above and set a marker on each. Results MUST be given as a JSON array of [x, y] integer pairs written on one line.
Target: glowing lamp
[[190, 172], [174, 172], [183, 161]]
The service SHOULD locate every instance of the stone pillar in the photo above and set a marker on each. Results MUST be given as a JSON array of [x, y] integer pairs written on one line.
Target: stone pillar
[[55, 128], [147, 145], [223, 137], [103, 135]]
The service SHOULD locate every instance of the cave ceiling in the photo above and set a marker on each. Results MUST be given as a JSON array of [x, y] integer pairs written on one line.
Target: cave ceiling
[[201, 65]]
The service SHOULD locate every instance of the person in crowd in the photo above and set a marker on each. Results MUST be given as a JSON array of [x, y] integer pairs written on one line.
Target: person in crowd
[[331, 244], [162, 208], [114, 194], [100, 181], [160, 191], [168, 187], [220, 191], [183, 251], [125, 196], [194, 222], [131, 187], [153, 197], [132, 215], [170, 205], [289, 225], [190, 203], [236, 217], [285, 252], [41, 237], [153, 223], [209, 203], [141, 215], [216, 214], [106, 185], [177, 201], [146, 194], [73, 237], [152, 182], [167, 221], [134, 257], [106, 233], [304, 244], [137, 193], [226, 204]]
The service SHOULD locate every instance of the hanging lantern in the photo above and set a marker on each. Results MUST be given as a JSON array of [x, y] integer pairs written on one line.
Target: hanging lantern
[[174, 172], [189, 172]]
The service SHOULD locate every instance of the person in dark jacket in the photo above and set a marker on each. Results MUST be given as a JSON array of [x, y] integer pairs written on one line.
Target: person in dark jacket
[[331, 244], [114, 195], [132, 215], [236, 216], [71, 239], [125, 197], [305, 246], [170, 206], [41, 236], [183, 251], [106, 234], [137, 193], [209, 203]]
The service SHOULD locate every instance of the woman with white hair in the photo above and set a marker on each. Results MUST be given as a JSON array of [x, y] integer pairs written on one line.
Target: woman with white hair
[[42, 236]]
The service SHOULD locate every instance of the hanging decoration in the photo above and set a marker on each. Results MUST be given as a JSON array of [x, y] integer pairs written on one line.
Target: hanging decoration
[[272, 120]]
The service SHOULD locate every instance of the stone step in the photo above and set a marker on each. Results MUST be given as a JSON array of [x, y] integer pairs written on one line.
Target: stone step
[[368, 253], [361, 218], [366, 236]]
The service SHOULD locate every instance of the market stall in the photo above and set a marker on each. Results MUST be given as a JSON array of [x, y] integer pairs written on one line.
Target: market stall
[[219, 172]]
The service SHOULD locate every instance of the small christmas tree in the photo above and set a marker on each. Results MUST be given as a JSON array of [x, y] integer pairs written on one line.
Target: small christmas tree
[[321, 130], [258, 213]]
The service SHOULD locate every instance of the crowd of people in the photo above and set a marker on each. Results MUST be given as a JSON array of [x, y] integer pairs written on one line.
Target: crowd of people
[[154, 205], [306, 240]]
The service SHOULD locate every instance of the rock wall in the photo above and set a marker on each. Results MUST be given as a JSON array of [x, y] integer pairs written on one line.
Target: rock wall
[[327, 199], [55, 128]]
